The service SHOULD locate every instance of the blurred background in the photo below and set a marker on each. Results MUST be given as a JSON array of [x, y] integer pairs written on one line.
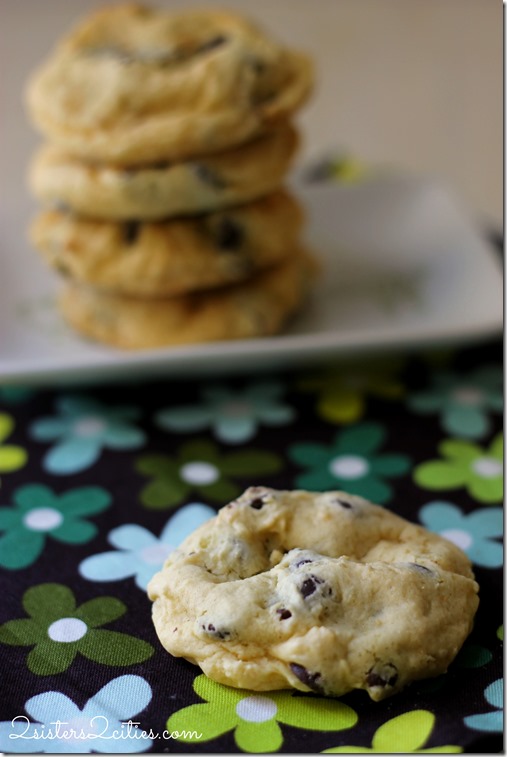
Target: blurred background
[[414, 85]]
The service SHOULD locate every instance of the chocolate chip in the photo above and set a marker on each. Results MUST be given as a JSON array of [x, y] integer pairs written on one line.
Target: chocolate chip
[[257, 503], [312, 680], [211, 44], [344, 504], [164, 58], [302, 562], [309, 586], [217, 633], [384, 675], [131, 232], [258, 65], [284, 614], [159, 57], [420, 568], [205, 174], [229, 234]]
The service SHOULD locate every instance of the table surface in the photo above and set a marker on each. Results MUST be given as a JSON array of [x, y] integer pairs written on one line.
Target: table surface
[[96, 489]]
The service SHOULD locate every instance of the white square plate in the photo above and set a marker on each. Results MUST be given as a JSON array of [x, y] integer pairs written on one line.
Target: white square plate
[[402, 266]]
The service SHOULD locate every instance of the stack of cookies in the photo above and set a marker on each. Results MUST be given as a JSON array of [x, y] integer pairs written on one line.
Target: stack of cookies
[[169, 139]]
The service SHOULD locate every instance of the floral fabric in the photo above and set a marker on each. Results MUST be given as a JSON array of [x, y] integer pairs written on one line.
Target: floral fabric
[[99, 486]]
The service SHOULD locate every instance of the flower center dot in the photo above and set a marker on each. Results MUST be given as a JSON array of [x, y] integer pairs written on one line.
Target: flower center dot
[[349, 466], [468, 395], [236, 408], [42, 519], [199, 473], [155, 554], [67, 630], [256, 709], [461, 539], [487, 467], [89, 426]]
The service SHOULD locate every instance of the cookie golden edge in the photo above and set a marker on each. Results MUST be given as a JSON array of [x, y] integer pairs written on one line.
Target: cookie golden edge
[[445, 573], [260, 306]]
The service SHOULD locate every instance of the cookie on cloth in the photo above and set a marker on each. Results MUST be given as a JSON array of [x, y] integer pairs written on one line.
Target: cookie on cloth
[[166, 258], [166, 189], [322, 592], [258, 307], [132, 86]]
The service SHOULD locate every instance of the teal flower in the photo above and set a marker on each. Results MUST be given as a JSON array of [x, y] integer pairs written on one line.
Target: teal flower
[[95, 728], [138, 552], [472, 656], [489, 721], [84, 426], [479, 470], [405, 734], [351, 463], [39, 514], [463, 401], [473, 533], [254, 717], [199, 467], [58, 631], [234, 416]]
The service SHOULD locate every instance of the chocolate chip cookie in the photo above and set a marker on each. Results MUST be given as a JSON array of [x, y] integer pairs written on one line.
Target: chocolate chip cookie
[[167, 258], [132, 86], [322, 592]]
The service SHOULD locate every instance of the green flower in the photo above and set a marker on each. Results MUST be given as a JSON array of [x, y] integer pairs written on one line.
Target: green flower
[[199, 467], [342, 393], [12, 394], [253, 716], [58, 630], [11, 457], [479, 470], [401, 735], [350, 463], [39, 514]]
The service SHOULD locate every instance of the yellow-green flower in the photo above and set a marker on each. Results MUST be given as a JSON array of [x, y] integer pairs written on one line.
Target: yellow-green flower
[[254, 716], [342, 391], [404, 734], [466, 464], [11, 457]]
